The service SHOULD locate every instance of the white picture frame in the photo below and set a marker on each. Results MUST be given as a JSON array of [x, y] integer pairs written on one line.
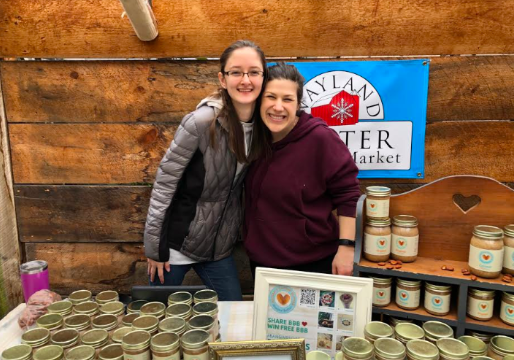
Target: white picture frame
[[269, 286]]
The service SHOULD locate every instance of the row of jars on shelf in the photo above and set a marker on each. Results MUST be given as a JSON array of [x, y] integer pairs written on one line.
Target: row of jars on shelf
[[437, 299]]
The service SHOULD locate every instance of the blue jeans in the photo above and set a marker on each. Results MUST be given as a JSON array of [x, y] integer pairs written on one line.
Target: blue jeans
[[220, 276]]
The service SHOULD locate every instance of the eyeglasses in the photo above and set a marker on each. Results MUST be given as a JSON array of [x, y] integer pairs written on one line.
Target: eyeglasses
[[239, 74]]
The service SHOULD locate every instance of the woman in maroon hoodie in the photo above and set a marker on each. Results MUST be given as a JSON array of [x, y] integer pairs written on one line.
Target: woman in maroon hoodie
[[293, 189]]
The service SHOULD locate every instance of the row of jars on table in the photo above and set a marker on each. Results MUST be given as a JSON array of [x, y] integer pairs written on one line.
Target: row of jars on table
[[437, 299]]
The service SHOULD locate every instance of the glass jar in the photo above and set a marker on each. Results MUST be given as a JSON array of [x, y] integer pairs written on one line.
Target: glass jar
[[173, 324], [111, 352], [355, 348], [106, 322], [500, 346], [154, 308], [389, 349], [486, 251], [407, 294], [404, 238], [80, 296], [405, 332], [17, 352], [107, 296], [63, 308], [421, 350], [476, 346], [135, 306], [194, 345], [146, 322], [89, 308], [97, 338], [480, 304], [165, 346], [381, 291], [180, 297], [435, 330], [36, 338], [52, 322], [204, 322], [81, 352], [507, 308], [119, 333], [116, 308], [452, 349], [208, 308], [395, 321], [136, 345], [508, 256], [206, 295], [376, 329], [66, 338], [377, 240], [79, 322], [437, 299], [377, 202], [49, 352]]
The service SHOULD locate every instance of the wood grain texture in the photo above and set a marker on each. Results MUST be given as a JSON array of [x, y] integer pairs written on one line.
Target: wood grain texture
[[461, 88], [81, 213], [191, 28]]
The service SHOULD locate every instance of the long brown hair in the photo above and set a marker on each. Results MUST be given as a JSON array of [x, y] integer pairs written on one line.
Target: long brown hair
[[235, 130]]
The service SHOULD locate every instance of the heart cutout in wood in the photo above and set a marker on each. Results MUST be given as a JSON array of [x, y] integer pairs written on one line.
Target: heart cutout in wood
[[466, 203]]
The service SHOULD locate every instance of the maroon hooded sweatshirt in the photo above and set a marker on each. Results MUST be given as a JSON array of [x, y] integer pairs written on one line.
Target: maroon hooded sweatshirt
[[290, 196]]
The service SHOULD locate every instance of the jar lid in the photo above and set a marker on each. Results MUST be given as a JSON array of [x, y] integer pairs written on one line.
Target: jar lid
[[111, 352], [77, 321], [389, 348], [60, 307], [437, 329], [410, 283], [378, 223], [35, 336], [206, 295], [395, 321], [507, 296], [94, 337], [453, 348], [488, 232], [475, 345], [65, 337], [409, 331], [33, 267], [490, 358], [135, 306], [378, 191], [201, 321], [153, 308], [405, 220], [49, 352], [146, 322], [481, 293], [164, 342], [205, 307], [119, 333], [422, 349], [105, 321], [17, 352], [107, 296], [172, 324], [509, 230], [381, 281], [79, 296], [129, 318], [357, 348], [378, 329], [136, 340], [503, 343], [178, 310], [86, 307], [50, 321], [195, 338], [113, 307], [435, 287], [180, 297], [81, 352]]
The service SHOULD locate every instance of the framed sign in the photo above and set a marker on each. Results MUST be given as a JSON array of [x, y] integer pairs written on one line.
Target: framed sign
[[323, 309], [291, 349]]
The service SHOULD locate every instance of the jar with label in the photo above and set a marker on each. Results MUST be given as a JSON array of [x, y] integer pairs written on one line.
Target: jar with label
[[165, 346], [206, 295], [36, 338], [476, 346], [97, 338], [111, 352], [408, 294], [404, 332], [17, 352], [507, 308], [208, 308], [452, 349], [355, 348], [377, 202], [381, 291], [421, 350], [508, 256], [81, 352], [180, 297], [107, 296], [377, 240], [146, 322], [194, 345], [389, 349], [437, 299], [500, 346], [66, 338], [204, 322], [173, 324], [404, 238], [136, 345], [480, 304], [49, 352], [376, 329], [435, 330], [486, 251]]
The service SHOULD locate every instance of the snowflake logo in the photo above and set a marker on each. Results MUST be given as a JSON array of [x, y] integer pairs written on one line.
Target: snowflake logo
[[342, 111]]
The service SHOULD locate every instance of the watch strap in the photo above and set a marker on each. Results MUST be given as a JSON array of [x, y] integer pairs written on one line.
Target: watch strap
[[347, 242]]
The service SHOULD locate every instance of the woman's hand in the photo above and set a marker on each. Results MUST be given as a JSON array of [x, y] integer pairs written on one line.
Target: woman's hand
[[159, 266], [343, 261]]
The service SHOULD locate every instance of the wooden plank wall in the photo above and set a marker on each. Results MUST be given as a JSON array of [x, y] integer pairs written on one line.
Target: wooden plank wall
[[86, 137]]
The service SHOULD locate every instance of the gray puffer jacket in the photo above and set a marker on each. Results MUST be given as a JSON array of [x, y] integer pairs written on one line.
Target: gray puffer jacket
[[195, 206]]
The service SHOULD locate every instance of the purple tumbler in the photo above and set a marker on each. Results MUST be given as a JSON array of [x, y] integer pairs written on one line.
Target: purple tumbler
[[34, 277]]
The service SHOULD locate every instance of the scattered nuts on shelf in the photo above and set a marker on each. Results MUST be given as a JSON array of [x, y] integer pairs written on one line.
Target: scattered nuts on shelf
[[443, 267], [398, 267], [467, 273], [381, 264], [507, 279], [399, 262], [389, 267], [473, 277], [464, 270], [449, 268], [393, 262]]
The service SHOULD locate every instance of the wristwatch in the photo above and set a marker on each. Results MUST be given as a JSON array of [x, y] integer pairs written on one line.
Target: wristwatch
[[346, 242]]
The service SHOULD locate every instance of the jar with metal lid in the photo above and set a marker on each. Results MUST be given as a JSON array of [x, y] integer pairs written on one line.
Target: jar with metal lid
[[377, 202], [51, 322], [136, 345], [377, 240], [486, 338], [408, 331], [204, 322], [452, 349], [165, 346], [508, 255], [80, 296], [180, 310], [180, 297], [81, 352], [395, 321], [128, 319], [376, 329], [208, 308], [111, 352], [404, 238], [79, 322], [66, 338], [355, 348], [49, 352], [96, 338], [146, 322], [194, 345], [206, 295], [508, 357], [116, 308], [63, 308], [135, 306], [389, 349], [17, 352], [421, 350], [319, 355], [486, 358], [89, 308], [507, 308], [500, 346], [480, 304], [107, 296], [476, 346], [437, 299], [154, 308], [36, 337], [173, 324], [119, 333], [435, 330], [381, 291], [486, 251], [106, 322], [407, 294]]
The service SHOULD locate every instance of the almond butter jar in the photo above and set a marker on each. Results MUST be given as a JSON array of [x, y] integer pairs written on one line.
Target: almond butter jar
[[407, 294], [500, 346], [507, 308], [136, 345], [194, 345], [486, 251], [377, 202], [377, 240], [165, 346], [508, 256], [404, 238], [480, 304], [437, 299], [381, 291]]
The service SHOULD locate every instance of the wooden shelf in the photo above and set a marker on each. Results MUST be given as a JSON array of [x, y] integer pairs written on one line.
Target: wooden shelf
[[418, 314], [495, 325]]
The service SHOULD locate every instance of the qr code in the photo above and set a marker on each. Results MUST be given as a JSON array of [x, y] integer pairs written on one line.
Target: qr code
[[308, 297]]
